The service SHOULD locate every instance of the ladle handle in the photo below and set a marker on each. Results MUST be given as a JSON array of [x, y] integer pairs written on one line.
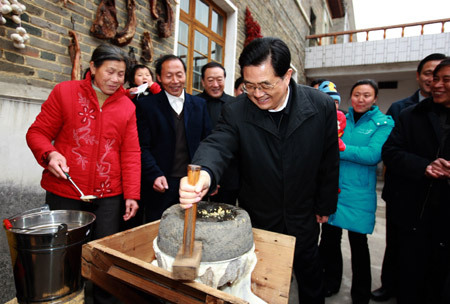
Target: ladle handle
[[73, 183], [190, 215]]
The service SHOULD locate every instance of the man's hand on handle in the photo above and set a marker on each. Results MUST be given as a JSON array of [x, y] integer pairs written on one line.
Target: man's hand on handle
[[193, 194]]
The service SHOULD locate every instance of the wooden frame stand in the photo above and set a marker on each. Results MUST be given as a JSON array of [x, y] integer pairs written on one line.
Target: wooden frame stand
[[120, 264]]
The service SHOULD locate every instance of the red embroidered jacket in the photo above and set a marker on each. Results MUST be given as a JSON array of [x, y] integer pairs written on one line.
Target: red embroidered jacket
[[100, 145]]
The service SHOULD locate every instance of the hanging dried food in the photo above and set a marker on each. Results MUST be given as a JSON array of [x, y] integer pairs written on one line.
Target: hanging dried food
[[75, 56], [126, 35], [154, 9], [147, 47], [105, 24], [132, 55], [13, 9], [165, 26]]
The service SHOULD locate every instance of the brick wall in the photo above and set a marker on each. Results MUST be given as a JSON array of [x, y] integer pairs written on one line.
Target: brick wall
[[281, 19], [45, 61]]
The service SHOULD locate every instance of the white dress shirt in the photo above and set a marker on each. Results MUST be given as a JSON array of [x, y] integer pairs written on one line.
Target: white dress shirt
[[176, 102]]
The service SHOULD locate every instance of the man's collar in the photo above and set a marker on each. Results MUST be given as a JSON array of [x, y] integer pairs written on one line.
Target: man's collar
[[284, 103], [421, 96], [206, 95], [172, 97]]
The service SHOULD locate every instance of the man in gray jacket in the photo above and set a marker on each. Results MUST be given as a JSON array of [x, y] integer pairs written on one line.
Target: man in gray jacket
[[285, 137]]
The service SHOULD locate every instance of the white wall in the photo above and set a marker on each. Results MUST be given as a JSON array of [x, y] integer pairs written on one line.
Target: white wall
[[386, 97], [17, 163]]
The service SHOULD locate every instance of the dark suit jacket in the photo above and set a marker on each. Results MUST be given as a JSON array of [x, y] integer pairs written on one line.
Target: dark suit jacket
[[395, 108], [156, 130], [413, 144], [389, 179], [230, 178]]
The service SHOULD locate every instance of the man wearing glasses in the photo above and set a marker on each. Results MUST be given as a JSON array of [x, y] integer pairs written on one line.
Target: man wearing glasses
[[285, 137]]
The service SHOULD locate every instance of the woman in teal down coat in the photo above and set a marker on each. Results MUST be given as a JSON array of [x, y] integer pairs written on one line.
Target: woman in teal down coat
[[366, 131]]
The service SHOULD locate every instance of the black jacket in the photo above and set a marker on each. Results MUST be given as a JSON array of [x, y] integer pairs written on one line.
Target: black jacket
[[230, 178], [413, 144], [395, 110], [286, 177]]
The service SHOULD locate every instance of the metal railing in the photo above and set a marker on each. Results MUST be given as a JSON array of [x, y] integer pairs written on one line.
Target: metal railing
[[383, 28]]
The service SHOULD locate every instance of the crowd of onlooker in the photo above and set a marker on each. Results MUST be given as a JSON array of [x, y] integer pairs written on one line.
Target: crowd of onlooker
[[284, 152]]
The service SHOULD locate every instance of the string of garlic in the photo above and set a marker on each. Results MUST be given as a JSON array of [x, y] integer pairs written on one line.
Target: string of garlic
[[14, 9]]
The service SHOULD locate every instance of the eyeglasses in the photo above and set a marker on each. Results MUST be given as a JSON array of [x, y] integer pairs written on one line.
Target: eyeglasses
[[249, 88]]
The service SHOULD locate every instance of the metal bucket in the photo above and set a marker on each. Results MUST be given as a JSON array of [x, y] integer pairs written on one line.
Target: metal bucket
[[45, 249]]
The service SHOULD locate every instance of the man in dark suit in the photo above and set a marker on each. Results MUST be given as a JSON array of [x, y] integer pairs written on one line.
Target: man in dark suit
[[424, 77], [171, 125], [285, 137], [417, 153], [213, 81]]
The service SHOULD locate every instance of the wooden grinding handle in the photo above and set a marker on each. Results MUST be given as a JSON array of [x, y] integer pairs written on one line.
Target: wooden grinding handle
[[190, 215]]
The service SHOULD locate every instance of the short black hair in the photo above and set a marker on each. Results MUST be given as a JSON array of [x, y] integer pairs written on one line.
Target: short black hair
[[238, 82], [133, 72], [160, 61], [261, 49], [444, 63], [213, 64], [370, 82], [431, 57], [317, 81]]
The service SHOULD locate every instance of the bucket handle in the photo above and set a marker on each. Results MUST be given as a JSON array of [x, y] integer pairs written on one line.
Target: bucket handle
[[43, 208]]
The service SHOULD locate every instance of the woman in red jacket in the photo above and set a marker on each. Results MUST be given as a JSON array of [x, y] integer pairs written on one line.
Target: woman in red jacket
[[87, 128]]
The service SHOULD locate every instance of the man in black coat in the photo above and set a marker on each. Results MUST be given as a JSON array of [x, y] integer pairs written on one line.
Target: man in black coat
[[213, 81], [171, 125], [285, 138], [424, 77], [417, 154]]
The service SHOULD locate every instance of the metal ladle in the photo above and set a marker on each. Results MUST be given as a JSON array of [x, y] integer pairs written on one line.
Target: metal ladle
[[84, 198]]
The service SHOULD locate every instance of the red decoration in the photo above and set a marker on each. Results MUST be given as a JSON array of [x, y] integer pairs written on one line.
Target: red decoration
[[252, 28]]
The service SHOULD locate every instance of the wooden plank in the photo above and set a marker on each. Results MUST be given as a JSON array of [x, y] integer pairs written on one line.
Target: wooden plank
[[136, 242], [122, 291], [98, 254], [271, 278], [152, 287]]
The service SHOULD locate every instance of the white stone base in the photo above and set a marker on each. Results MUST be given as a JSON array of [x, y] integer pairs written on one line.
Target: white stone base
[[231, 276]]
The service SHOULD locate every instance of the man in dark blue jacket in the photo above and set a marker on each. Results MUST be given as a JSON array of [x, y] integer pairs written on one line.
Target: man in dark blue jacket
[[171, 125], [424, 78]]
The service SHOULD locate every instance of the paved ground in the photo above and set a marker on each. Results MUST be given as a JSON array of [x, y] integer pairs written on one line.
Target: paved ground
[[376, 247]]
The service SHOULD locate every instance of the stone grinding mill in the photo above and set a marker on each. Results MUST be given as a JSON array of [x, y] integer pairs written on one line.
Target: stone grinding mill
[[227, 246]]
